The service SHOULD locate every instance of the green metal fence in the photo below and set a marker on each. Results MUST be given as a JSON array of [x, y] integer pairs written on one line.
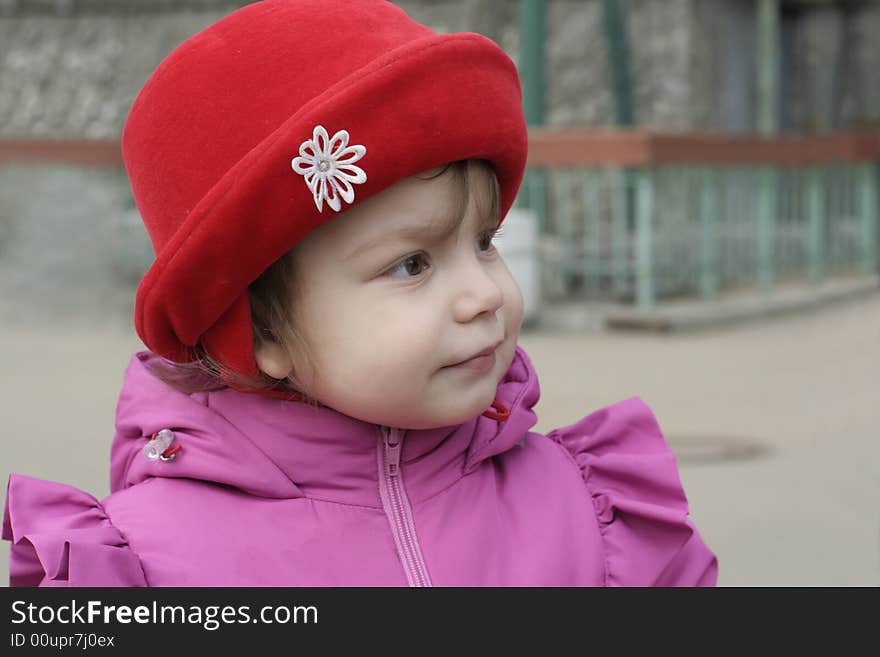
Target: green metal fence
[[652, 233]]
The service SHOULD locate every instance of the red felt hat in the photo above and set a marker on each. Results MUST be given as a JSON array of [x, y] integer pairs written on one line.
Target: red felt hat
[[277, 118]]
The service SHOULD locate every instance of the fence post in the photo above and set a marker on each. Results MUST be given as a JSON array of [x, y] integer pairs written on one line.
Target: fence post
[[869, 210], [767, 65], [619, 205], [535, 197], [767, 111], [766, 223], [562, 193], [614, 24], [644, 238], [708, 234], [532, 22], [817, 219], [591, 246]]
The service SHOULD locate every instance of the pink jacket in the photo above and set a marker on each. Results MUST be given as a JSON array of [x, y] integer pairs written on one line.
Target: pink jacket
[[266, 492]]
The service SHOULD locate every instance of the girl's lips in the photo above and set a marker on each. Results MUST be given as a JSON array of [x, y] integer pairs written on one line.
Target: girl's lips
[[491, 349], [479, 364]]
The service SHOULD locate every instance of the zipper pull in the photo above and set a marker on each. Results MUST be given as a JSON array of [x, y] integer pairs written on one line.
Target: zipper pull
[[392, 452]]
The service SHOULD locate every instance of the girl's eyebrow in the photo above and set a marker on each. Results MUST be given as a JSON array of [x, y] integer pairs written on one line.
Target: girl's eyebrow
[[432, 231]]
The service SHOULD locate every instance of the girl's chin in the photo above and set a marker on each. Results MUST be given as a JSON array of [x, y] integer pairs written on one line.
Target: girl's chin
[[446, 417], [469, 411]]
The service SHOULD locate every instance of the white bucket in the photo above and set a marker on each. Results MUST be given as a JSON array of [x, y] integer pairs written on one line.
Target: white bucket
[[518, 245]]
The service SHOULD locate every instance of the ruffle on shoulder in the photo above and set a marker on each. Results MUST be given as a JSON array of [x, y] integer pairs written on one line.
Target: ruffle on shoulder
[[632, 477], [61, 536]]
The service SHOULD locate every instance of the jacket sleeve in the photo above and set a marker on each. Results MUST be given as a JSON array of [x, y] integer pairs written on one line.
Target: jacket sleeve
[[632, 477], [62, 536]]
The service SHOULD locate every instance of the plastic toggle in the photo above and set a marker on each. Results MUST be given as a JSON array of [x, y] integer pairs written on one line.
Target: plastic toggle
[[160, 446]]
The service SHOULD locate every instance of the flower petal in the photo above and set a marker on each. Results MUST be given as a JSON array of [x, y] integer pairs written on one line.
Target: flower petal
[[334, 202], [338, 143], [346, 191], [329, 192], [319, 191], [351, 173], [303, 165], [351, 154], [307, 150], [321, 139]]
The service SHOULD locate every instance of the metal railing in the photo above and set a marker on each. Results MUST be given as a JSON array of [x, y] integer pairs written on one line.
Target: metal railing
[[638, 217]]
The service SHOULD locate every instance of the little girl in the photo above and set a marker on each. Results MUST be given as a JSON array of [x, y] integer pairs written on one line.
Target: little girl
[[333, 393]]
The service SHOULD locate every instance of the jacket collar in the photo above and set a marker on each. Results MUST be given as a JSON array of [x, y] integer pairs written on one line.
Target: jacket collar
[[286, 449]]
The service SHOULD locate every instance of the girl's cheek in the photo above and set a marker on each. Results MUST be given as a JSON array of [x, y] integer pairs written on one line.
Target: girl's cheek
[[513, 301]]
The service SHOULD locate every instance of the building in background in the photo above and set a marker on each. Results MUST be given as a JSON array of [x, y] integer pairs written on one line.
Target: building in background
[[70, 69]]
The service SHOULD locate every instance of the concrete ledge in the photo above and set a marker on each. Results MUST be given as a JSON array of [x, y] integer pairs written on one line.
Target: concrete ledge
[[694, 315]]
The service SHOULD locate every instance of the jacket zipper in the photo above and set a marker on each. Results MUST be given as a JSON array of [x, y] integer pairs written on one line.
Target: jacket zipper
[[397, 508]]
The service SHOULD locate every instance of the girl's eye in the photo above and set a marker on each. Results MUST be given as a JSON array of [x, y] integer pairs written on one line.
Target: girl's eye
[[416, 264], [409, 267], [484, 241]]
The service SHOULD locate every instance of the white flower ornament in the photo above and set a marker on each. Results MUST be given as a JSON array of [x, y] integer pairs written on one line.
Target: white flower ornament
[[328, 167]]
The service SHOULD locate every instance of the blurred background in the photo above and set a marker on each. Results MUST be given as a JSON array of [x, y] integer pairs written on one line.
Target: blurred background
[[698, 227]]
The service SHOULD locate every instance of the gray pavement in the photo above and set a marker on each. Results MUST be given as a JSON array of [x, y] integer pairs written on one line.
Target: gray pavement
[[776, 425]]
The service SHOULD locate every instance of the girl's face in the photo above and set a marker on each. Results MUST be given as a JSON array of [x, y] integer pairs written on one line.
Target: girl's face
[[393, 294]]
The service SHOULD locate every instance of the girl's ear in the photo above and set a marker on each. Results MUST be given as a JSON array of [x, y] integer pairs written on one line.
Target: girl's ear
[[273, 359]]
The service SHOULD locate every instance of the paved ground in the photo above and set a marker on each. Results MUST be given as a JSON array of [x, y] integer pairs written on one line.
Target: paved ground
[[776, 425]]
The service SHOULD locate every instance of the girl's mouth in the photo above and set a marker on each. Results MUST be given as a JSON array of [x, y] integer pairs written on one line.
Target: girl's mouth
[[479, 364], [482, 361]]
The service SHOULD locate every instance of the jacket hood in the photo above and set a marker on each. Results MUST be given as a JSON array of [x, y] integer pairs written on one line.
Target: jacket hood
[[286, 449]]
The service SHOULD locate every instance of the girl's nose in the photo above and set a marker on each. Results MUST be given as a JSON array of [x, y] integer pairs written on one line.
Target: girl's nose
[[477, 292]]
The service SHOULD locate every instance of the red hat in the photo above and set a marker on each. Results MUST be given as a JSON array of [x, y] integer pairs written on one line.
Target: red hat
[[276, 118]]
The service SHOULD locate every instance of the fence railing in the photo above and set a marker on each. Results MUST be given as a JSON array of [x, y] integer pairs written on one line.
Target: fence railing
[[639, 217]]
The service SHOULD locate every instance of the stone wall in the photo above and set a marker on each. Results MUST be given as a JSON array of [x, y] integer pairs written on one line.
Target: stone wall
[[76, 74], [73, 67]]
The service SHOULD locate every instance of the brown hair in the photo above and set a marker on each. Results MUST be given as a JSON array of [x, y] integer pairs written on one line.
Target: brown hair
[[272, 302], [273, 314]]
